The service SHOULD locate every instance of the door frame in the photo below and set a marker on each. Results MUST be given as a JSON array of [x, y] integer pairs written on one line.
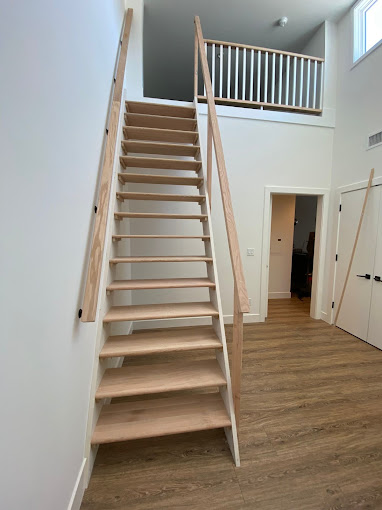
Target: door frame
[[319, 251], [377, 181]]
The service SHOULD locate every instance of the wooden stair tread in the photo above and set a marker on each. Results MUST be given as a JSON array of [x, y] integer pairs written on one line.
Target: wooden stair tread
[[132, 380], [162, 163], [160, 109], [159, 135], [118, 237], [160, 311], [160, 179], [168, 216], [165, 283], [164, 340], [161, 258], [161, 197], [160, 417], [159, 148], [159, 121]]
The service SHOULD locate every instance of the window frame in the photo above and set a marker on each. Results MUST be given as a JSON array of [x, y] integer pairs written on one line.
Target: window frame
[[359, 30]]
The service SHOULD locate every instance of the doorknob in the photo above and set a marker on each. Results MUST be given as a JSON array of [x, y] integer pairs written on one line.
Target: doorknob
[[377, 278], [367, 276]]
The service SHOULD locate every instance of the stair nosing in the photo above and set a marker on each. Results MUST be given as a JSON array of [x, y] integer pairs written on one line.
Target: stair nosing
[[164, 197], [160, 258], [134, 380], [189, 119], [160, 311], [160, 283], [121, 422], [161, 341], [164, 216], [155, 236]]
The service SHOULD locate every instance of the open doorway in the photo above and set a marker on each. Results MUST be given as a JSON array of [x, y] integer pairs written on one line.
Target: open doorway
[[293, 247], [291, 260]]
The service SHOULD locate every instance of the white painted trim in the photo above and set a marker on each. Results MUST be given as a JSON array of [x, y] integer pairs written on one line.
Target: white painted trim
[[79, 489], [326, 120], [279, 295], [377, 181], [321, 236], [358, 32], [325, 317], [217, 323], [99, 368], [365, 55]]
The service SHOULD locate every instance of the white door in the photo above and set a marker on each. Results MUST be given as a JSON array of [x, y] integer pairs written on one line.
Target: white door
[[374, 336], [355, 310]]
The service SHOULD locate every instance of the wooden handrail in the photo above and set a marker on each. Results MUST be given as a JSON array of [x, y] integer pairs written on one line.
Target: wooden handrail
[[89, 307], [237, 267], [259, 48]]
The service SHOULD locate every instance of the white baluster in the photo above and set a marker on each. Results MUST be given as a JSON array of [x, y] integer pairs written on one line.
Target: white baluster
[[280, 78], [229, 73], [244, 73], [266, 78], [237, 73], [273, 77], [308, 84], [287, 80], [258, 76], [294, 81], [251, 79], [315, 84], [221, 72], [205, 49], [322, 86], [213, 69], [301, 80]]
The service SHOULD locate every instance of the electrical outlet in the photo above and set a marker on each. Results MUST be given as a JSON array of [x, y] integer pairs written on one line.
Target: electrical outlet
[[250, 252]]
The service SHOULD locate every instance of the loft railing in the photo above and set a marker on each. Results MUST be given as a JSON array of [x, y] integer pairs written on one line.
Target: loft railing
[[89, 307], [257, 77], [241, 302]]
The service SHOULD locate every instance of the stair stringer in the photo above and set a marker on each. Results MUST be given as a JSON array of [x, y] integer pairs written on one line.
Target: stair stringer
[[104, 302], [218, 324]]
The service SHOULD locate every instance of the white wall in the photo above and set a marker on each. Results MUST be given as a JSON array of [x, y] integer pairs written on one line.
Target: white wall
[[280, 260], [57, 61], [302, 159], [359, 113]]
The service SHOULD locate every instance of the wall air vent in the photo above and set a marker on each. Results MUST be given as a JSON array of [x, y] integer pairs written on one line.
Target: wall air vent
[[374, 140]]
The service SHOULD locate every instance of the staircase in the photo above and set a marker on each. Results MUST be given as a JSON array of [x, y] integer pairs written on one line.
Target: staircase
[[160, 162]]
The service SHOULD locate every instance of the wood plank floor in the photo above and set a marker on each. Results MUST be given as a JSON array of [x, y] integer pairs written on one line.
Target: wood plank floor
[[310, 436]]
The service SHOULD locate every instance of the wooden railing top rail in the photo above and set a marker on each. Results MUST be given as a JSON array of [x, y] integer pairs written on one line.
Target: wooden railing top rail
[[89, 307], [259, 48], [237, 266]]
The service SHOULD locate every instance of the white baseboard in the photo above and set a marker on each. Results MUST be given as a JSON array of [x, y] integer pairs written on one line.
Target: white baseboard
[[279, 295], [248, 318], [325, 317], [191, 321], [79, 489]]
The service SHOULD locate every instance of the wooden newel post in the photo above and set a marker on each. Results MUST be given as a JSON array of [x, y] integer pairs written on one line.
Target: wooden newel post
[[209, 157], [237, 354]]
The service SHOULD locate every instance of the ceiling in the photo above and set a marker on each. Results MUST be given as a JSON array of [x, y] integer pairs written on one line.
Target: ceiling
[[169, 33]]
